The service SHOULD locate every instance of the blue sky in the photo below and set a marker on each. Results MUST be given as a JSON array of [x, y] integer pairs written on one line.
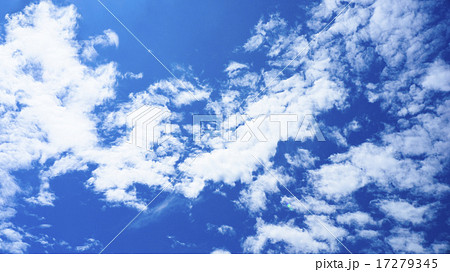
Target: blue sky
[[375, 82]]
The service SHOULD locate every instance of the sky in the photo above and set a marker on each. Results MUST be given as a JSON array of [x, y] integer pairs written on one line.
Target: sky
[[322, 126]]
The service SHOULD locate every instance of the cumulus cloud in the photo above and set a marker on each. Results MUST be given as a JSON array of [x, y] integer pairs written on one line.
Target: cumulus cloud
[[178, 92], [313, 239], [47, 94], [409, 158], [108, 38], [11, 239], [47, 101], [302, 158], [234, 67], [404, 241], [437, 76], [262, 29], [226, 230], [357, 218], [49, 109], [308, 204], [48, 97], [405, 212], [255, 197], [230, 161]]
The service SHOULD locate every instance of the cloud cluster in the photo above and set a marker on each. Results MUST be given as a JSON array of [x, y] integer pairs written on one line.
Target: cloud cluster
[[376, 52], [407, 156], [48, 103], [312, 239]]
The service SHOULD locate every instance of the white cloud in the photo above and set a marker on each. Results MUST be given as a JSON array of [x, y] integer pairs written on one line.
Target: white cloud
[[179, 92], [307, 204], [107, 39], [48, 95], [405, 212], [246, 79], [234, 67], [301, 158], [368, 234], [255, 197], [438, 76], [232, 161], [389, 164], [408, 157], [440, 247], [123, 165], [404, 241], [226, 230], [57, 102], [262, 30], [132, 75], [337, 180], [314, 239], [44, 197], [369, 163], [223, 229], [57, 94], [354, 125], [357, 218], [91, 245], [220, 251], [47, 100], [11, 239], [177, 243]]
